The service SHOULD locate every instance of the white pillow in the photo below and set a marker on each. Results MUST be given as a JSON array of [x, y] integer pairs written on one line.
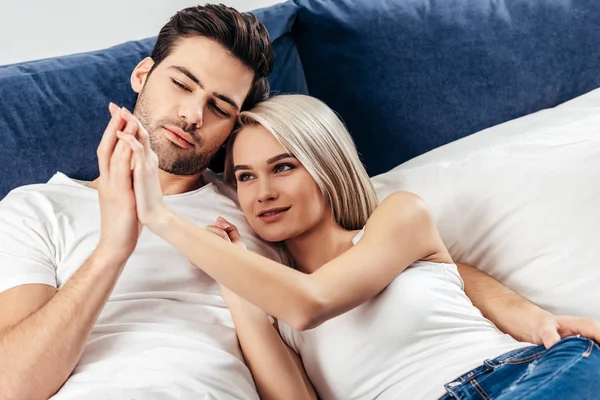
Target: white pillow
[[521, 201]]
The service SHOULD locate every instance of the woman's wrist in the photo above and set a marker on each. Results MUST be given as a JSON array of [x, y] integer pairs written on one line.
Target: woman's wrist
[[160, 219]]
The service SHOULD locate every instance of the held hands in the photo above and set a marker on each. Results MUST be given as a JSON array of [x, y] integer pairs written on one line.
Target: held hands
[[120, 228], [150, 205]]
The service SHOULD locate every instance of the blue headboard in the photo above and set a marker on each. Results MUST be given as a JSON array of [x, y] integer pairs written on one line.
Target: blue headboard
[[408, 76]]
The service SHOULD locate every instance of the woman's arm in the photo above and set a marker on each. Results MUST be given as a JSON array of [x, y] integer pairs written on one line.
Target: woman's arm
[[392, 241], [277, 370], [400, 232]]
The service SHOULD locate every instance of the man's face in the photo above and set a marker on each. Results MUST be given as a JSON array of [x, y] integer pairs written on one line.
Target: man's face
[[190, 101]]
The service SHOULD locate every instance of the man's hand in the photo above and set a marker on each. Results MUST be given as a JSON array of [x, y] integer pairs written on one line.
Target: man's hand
[[120, 228], [548, 329], [151, 208], [517, 316]]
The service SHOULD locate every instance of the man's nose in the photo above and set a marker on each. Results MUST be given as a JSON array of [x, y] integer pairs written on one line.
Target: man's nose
[[193, 113]]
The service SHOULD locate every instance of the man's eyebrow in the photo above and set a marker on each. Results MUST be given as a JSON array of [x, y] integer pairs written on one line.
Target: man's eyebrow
[[195, 79], [279, 157], [227, 100], [187, 73]]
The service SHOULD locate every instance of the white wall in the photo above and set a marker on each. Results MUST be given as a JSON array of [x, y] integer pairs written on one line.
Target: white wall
[[35, 29]]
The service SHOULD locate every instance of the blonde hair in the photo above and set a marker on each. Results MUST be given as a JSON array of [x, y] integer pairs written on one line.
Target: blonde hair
[[314, 134]]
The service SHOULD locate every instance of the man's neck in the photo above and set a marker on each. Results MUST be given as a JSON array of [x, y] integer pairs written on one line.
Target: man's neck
[[170, 184], [177, 184]]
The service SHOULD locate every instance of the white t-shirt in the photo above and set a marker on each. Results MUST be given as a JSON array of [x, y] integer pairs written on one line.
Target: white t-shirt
[[165, 332], [419, 333]]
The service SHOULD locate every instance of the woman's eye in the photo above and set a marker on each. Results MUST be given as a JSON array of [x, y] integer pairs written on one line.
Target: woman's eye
[[283, 167], [243, 177], [180, 85]]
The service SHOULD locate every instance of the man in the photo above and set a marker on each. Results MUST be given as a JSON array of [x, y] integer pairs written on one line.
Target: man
[[157, 328], [95, 307]]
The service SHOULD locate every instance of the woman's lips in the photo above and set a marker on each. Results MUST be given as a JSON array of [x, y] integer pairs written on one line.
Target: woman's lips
[[274, 214]]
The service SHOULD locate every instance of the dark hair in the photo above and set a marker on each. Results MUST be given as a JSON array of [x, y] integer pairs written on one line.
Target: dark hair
[[240, 33]]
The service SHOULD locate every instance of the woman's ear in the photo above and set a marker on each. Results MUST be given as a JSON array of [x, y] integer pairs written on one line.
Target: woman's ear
[[140, 74]]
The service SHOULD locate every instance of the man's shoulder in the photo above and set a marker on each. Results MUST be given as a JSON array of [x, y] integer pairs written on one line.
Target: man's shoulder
[[28, 194], [58, 190], [219, 186]]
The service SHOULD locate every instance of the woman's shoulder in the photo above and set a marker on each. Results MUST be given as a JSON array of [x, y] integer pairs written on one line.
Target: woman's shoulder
[[399, 206], [403, 198], [398, 212], [403, 212]]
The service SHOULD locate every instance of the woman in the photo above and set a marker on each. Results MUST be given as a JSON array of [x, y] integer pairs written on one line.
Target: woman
[[374, 306]]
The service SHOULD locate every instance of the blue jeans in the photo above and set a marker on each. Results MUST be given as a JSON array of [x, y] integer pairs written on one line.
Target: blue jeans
[[568, 370]]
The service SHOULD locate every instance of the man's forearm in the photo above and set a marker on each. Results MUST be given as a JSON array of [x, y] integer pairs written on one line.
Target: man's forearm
[[38, 354], [510, 312]]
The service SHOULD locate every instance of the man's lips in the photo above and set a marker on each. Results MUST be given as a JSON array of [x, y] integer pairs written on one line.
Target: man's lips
[[180, 134]]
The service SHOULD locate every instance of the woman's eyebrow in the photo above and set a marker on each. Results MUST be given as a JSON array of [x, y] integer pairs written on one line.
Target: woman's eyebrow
[[279, 157], [241, 167], [269, 161]]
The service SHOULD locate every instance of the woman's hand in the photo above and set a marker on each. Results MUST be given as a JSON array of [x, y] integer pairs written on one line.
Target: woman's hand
[[151, 208], [120, 227], [227, 231]]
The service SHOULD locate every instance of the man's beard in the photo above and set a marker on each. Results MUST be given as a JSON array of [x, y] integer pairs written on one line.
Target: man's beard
[[171, 158]]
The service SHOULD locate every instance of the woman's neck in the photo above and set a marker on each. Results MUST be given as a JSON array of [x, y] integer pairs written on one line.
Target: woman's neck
[[319, 245]]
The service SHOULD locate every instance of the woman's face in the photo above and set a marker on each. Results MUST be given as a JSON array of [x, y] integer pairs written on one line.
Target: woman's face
[[280, 198]]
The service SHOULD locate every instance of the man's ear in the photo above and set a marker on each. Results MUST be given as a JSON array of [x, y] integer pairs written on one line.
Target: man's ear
[[140, 74]]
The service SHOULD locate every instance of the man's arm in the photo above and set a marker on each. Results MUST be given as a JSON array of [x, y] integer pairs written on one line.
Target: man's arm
[[41, 343], [517, 316], [43, 331]]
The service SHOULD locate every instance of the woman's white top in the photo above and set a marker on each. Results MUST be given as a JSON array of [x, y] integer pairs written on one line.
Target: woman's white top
[[419, 333]]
